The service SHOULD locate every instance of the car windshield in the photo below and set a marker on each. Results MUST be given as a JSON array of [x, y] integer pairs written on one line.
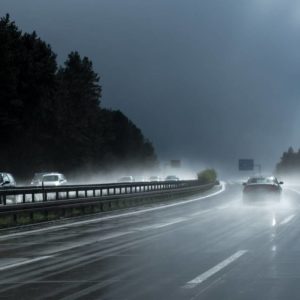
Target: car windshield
[[262, 180], [50, 178]]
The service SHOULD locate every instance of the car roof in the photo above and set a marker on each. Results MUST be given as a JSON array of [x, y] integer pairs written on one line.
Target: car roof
[[262, 177], [51, 174], [261, 180], [3, 173]]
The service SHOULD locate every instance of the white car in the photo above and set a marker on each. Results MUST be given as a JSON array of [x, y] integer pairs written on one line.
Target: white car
[[154, 179], [126, 179], [171, 178], [7, 180], [53, 179]]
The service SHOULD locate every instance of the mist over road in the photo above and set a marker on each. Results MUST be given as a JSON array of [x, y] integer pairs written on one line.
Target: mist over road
[[212, 248]]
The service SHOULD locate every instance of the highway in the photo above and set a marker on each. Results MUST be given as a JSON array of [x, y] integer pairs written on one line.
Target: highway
[[209, 247]]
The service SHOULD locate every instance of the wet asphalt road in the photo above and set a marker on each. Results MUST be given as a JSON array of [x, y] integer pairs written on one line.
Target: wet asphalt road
[[212, 248]]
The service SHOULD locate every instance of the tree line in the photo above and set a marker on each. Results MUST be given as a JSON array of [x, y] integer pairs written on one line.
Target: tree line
[[289, 163], [51, 116]]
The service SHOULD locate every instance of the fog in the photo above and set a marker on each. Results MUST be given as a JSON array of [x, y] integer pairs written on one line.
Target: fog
[[206, 81], [139, 174]]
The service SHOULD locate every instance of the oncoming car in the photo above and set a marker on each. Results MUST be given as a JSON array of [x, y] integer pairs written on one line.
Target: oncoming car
[[126, 179], [171, 178], [7, 180], [154, 179], [262, 188], [53, 179]]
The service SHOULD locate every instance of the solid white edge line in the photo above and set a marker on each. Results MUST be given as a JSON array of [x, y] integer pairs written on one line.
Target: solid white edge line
[[204, 276], [293, 190], [25, 262], [287, 220], [76, 223]]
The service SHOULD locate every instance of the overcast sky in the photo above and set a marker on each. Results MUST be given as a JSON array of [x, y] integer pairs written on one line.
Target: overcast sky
[[207, 80]]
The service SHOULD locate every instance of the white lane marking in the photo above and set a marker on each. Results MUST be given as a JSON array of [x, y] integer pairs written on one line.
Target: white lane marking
[[76, 223], [22, 263], [161, 225], [204, 276], [287, 220]]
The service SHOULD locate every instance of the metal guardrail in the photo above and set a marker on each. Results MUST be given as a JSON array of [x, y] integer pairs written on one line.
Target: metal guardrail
[[28, 205], [31, 195]]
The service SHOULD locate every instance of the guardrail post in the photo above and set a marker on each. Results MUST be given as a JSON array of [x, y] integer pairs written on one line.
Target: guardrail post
[[3, 199]]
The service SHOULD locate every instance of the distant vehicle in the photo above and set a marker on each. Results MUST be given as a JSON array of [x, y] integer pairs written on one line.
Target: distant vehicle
[[262, 188], [171, 178], [7, 180], [53, 179], [126, 179], [154, 179]]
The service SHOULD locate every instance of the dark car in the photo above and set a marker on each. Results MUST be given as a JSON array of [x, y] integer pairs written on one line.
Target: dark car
[[262, 188], [7, 180]]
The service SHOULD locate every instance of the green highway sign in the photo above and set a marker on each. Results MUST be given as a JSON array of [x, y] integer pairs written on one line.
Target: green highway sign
[[246, 164]]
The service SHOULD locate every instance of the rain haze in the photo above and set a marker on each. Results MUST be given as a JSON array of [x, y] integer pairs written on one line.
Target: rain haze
[[90, 209], [211, 81]]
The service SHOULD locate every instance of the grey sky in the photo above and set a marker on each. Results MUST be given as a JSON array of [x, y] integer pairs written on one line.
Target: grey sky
[[212, 80]]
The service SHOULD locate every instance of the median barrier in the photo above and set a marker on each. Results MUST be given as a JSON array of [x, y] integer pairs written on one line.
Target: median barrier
[[37, 204]]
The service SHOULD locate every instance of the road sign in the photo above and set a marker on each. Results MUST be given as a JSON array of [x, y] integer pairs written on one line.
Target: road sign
[[175, 163], [246, 164]]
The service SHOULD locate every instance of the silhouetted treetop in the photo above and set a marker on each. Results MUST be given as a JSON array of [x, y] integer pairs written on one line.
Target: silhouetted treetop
[[289, 163], [51, 118]]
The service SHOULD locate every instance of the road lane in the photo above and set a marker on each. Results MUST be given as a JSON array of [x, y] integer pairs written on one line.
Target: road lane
[[153, 255]]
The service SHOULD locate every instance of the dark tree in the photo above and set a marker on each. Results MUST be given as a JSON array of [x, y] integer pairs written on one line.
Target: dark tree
[[28, 75], [51, 119], [78, 109], [289, 163], [128, 143]]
